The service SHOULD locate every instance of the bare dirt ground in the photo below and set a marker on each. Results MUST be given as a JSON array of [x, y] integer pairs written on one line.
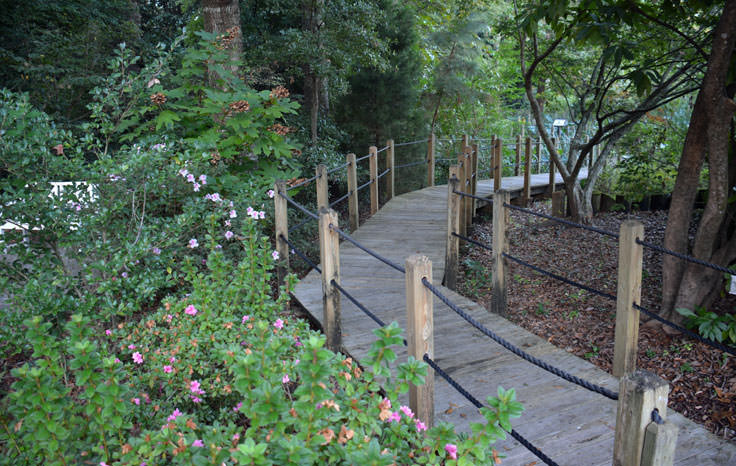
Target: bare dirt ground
[[702, 379]]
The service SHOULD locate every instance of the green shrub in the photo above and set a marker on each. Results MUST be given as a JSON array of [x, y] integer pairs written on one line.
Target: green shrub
[[721, 328]]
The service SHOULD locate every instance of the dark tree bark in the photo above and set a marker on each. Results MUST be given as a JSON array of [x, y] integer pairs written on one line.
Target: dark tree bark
[[222, 17], [708, 139], [313, 83]]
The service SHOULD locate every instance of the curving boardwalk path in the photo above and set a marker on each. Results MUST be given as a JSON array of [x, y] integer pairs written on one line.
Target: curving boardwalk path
[[570, 424]]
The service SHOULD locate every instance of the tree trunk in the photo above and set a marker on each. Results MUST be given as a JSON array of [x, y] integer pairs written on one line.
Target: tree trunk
[[684, 284], [311, 23], [222, 17]]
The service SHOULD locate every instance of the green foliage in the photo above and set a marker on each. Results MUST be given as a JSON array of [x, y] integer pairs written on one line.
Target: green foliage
[[477, 277], [721, 328]]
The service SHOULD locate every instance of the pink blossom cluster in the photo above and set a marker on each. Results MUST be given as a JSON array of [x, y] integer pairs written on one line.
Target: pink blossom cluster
[[191, 310], [252, 213], [197, 182], [195, 388]]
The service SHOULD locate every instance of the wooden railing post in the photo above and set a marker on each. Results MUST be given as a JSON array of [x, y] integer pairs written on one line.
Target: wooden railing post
[[639, 394], [628, 293], [420, 333], [373, 168], [552, 167], [492, 157], [498, 165], [281, 223], [452, 243], [526, 195], [474, 180], [390, 167], [468, 188], [353, 213], [500, 246], [329, 253], [539, 156], [323, 190], [462, 177], [518, 155], [660, 441], [430, 159]]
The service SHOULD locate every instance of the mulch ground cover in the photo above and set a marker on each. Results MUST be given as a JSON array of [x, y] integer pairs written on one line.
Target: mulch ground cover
[[702, 379]]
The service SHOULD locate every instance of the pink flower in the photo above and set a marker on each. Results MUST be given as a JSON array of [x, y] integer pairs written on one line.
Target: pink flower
[[279, 324], [262, 214], [196, 187], [249, 211], [194, 387], [229, 234], [108, 332], [238, 406], [131, 346], [275, 255], [137, 358], [174, 415], [102, 463], [195, 399], [387, 403], [296, 361], [172, 359], [285, 378], [395, 416], [77, 207], [270, 193], [183, 172], [245, 319], [198, 443], [118, 360], [236, 436], [203, 179], [125, 274], [190, 178], [137, 401], [168, 369], [421, 426], [233, 214], [227, 223], [169, 317], [191, 310], [193, 243], [451, 450], [215, 197], [156, 251], [407, 411]]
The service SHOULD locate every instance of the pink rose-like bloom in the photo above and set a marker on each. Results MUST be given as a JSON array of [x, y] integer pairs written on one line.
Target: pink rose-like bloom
[[193, 243], [215, 197], [249, 211], [172, 359], [407, 411], [194, 387], [279, 324], [238, 406], [108, 332], [169, 317], [227, 223], [275, 255], [203, 179], [195, 399], [174, 415], [451, 450], [196, 187], [387, 403], [131, 346], [421, 426], [198, 443], [395, 416], [137, 358], [118, 360], [191, 310], [262, 214], [245, 319], [190, 178], [137, 401], [270, 193], [236, 436], [168, 369], [285, 378], [233, 214], [183, 172], [229, 234]]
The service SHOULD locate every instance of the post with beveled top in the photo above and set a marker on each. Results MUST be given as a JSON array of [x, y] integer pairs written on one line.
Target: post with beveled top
[[500, 246], [329, 255], [640, 393], [323, 190], [660, 441], [628, 293], [526, 194], [452, 243], [498, 165], [518, 155], [373, 168], [281, 223], [552, 167], [430, 159], [420, 333], [390, 167], [353, 213]]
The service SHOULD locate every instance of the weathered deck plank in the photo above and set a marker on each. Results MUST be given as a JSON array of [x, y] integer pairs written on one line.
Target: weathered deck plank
[[571, 424]]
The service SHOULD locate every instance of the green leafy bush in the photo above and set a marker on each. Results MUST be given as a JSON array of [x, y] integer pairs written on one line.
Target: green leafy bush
[[721, 328]]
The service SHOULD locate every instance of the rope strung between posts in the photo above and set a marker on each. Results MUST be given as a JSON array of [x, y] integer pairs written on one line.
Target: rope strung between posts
[[337, 168], [299, 206], [464, 194], [303, 256], [656, 418], [537, 362], [350, 239], [382, 149], [364, 185], [537, 452], [690, 333], [302, 183], [692, 259], [470, 240], [384, 173], [362, 158], [399, 144], [563, 221], [445, 160], [410, 164], [301, 224], [337, 201], [559, 277]]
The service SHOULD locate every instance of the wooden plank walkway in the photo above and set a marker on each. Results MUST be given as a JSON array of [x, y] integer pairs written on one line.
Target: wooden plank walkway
[[570, 424]]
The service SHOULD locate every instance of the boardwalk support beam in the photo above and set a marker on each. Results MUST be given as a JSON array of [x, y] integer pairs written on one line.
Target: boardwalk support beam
[[329, 252], [323, 196], [500, 246], [420, 332], [640, 393], [628, 293], [453, 226]]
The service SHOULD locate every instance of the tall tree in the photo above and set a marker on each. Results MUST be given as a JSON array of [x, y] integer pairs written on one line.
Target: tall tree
[[710, 139], [222, 17]]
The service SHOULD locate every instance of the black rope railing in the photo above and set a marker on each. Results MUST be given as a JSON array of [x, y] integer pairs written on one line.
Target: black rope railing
[[517, 351], [364, 185], [383, 173], [382, 149], [299, 206], [685, 257], [302, 183], [529, 446], [300, 254], [472, 241], [656, 418], [339, 200], [399, 144], [301, 224], [337, 168], [445, 159], [562, 220], [358, 304], [464, 194], [363, 158], [357, 244], [410, 164], [560, 277]]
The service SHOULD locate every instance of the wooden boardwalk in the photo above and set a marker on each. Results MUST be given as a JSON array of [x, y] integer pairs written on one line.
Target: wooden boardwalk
[[570, 424]]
